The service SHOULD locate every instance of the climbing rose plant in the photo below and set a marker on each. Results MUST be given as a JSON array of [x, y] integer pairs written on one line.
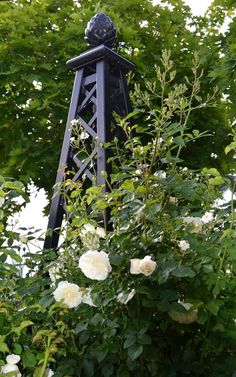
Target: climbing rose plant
[[152, 293]]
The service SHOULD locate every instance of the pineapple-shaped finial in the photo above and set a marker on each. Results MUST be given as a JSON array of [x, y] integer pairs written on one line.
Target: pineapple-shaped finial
[[100, 30]]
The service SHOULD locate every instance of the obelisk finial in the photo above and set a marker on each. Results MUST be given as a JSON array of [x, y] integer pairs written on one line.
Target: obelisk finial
[[100, 30]]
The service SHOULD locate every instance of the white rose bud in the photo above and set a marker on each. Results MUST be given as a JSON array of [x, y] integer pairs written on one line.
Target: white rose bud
[[145, 266]]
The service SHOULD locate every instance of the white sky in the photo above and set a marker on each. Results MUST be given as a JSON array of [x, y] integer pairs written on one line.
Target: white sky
[[198, 6], [32, 214]]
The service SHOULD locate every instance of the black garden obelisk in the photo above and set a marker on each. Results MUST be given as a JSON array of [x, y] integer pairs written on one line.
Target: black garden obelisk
[[100, 88]]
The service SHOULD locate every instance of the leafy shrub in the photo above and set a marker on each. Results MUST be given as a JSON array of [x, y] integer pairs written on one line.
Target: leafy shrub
[[153, 295]]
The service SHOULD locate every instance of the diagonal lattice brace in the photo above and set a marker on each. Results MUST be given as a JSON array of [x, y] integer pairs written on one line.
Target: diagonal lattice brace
[[100, 88]]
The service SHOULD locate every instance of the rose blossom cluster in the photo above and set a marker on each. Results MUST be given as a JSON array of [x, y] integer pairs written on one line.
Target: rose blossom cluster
[[90, 236], [196, 223], [95, 265]]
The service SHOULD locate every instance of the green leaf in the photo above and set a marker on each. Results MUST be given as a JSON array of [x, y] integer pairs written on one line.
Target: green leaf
[[130, 340], [211, 171], [3, 347], [115, 259], [135, 351], [128, 185], [22, 326], [14, 185], [230, 147], [81, 326], [196, 132], [202, 316], [88, 368], [46, 301], [144, 339], [168, 295], [107, 370], [29, 359], [17, 348], [16, 257], [183, 272], [213, 307], [123, 372], [38, 371], [207, 268], [100, 353], [216, 181]]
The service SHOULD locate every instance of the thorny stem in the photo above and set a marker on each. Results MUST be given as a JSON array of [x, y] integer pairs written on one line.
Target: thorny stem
[[47, 354], [195, 87]]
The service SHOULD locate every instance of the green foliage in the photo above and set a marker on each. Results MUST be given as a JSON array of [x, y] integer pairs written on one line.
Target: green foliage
[[36, 39], [165, 302]]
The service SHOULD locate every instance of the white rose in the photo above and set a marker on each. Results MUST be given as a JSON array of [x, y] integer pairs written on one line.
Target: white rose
[[101, 232], [2, 200], [10, 368], [69, 293], [37, 85], [125, 296], [12, 359], [89, 237], [195, 222], [134, 266], [207, 217], [95, 265], [74, 122], [48, 372], [145, 266], [84, 135], [184, 245], [160, 174], [186, 318], [87, 228]]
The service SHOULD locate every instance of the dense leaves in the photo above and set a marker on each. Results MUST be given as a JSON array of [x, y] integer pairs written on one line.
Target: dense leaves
[[161, 299], [36, 39]]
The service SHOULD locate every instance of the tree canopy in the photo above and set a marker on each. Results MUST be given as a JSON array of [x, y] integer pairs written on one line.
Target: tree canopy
[[38, 37]]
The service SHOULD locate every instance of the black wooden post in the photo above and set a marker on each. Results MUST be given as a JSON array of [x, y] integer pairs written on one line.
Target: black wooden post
[[100, 88]]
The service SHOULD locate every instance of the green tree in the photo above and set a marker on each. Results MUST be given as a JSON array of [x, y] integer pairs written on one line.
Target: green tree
[[36, 39]]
